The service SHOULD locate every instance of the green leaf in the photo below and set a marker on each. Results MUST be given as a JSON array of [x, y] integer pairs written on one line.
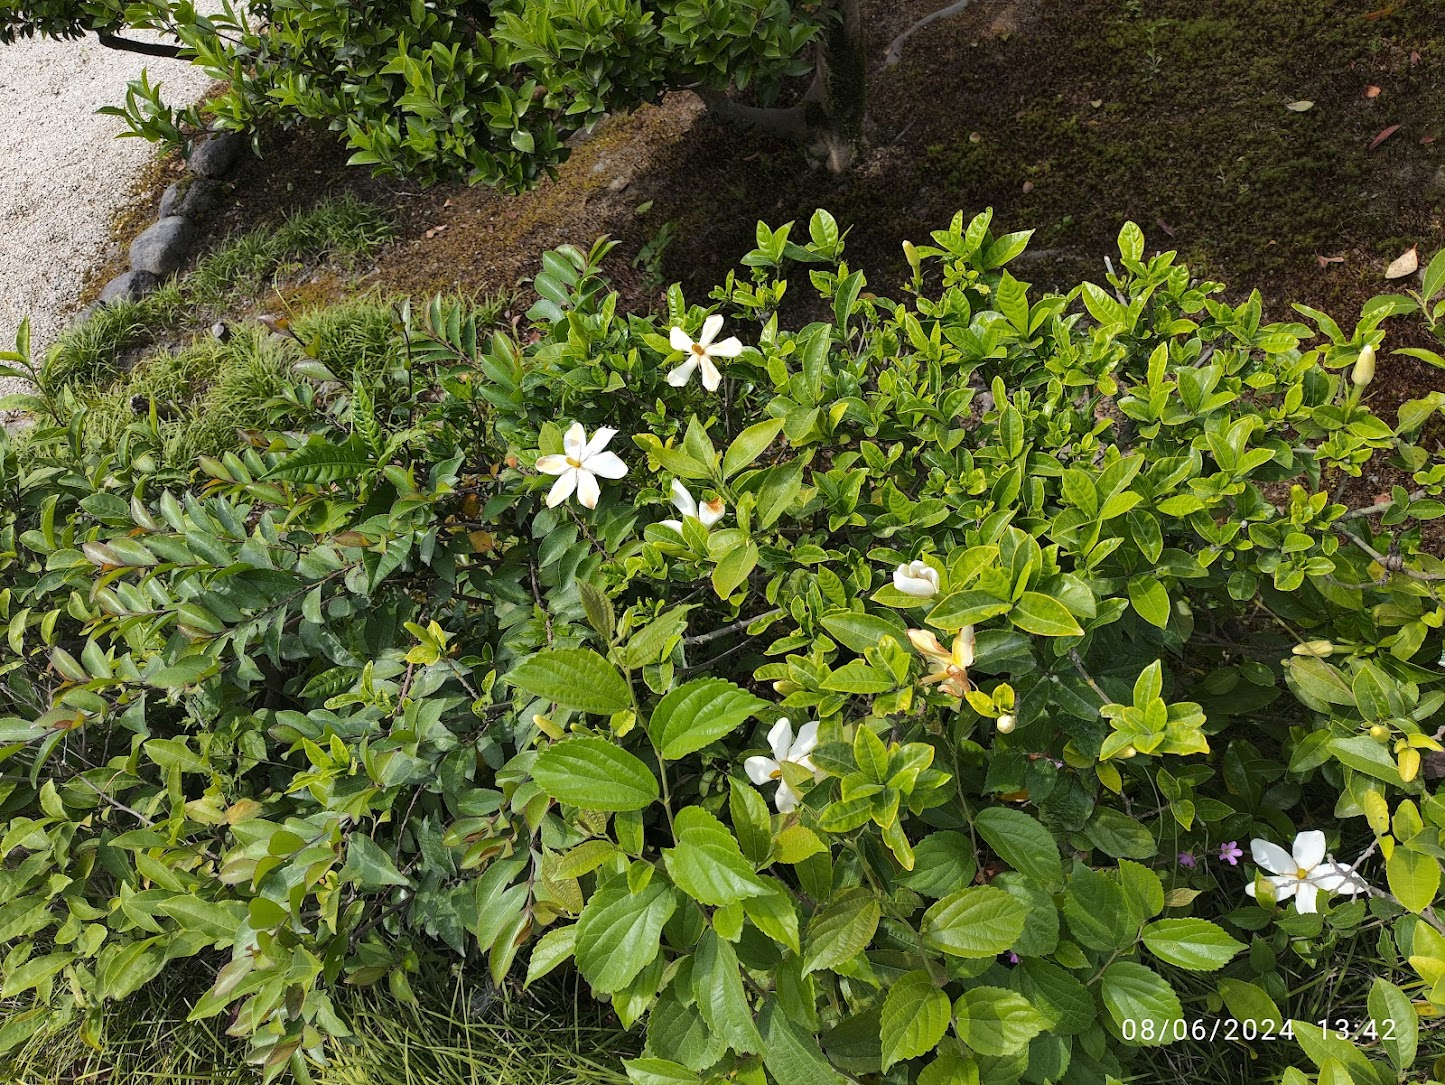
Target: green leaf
[[1250, 1002], [573, 677], [858, 677], [1022, 843], [734, 568], [1058, 995], [841, 931], [996, 1022], [1150, 599], [1095, 910], [699, 713], [1364, 754], [915, 1017], [369, 864], [748, 445], [1414, 877], [707, 864], [318, 462], [857, 631], [1195, 944], [659, 1072], [790, 1054], [594, 774], [943, 863], [217, 921], [1044, 615], [981, 921], [963, 608], [33, 973], [1137, 994], [1396, 1022], [721, 999], [619, 933], [1119, 836], [551, 950], [1320, 1046]]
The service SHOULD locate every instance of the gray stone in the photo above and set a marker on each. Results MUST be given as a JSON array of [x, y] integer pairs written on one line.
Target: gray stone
[[132, 286], [193, 197], [163, 247], [215, 155]]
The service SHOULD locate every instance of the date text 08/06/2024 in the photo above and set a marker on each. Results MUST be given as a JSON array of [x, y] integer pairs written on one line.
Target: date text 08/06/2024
[[1149, 1030]]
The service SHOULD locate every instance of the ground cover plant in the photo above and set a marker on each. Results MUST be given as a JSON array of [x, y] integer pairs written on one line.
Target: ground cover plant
[[973, 686]]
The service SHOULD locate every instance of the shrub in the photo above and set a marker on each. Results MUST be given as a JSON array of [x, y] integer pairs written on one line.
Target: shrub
[[845, 707]]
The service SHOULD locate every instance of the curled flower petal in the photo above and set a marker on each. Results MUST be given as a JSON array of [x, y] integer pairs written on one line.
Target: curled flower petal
[[711, 378], [1308, 850], [676, 525], [1306, 897], [587, 489], [682, 498], [598, 442], [606, 464], [917, 578], [805, 743], [1272, 857], [678, 377], [710, 327], [730, 347], [679, 339], [553, 465], [562, 489], [780, 739], [575, 441], [710, 512]]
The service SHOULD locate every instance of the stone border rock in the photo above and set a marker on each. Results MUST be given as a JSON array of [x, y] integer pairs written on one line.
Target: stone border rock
[[160, 249]]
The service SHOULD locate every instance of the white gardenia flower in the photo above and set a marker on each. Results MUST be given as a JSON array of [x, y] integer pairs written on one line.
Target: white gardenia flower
[[709, 512], [702, 353], [1304, 873], [785, 748], [579, 468], [917, 578]]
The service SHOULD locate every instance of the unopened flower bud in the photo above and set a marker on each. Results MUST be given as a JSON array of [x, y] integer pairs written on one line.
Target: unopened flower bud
[[1006, 723], [1380, 733], [911, 255], [1128, 752], [1364, 371], [1320, 649]]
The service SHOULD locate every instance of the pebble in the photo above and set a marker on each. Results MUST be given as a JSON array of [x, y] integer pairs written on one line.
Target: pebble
[[214, 156], [163, 247], [131, 286]]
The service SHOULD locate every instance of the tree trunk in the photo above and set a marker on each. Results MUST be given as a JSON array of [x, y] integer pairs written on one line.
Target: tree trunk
[[830, 117]]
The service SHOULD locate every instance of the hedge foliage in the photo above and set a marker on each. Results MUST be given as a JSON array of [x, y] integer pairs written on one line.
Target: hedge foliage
[[978, 611]]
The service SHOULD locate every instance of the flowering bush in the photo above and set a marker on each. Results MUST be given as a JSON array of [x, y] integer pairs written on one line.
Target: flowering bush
[[889, 775]]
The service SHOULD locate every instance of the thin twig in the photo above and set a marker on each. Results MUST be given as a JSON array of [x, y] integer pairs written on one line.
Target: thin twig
[[149, 823], [1382, 506], [895, 47], [742, 623], [1078, 663], [1392, 563]]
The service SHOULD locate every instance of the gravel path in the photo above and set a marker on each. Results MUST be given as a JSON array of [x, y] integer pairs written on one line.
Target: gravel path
[[64, 173]]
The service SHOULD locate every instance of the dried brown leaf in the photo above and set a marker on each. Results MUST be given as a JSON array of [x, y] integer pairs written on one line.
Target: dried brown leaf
[[1407, 263], [1386, 134], [1372, 91], [1300, 106]]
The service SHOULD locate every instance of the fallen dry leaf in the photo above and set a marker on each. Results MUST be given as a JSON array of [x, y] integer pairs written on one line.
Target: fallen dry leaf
[[1405, 264], [1414, 57], [1386, 134], [447, 204], [1427, 139], [1164, 226], [1379, 13], [1300, 106], [1372, 91], [1326, 261], [433, 232]]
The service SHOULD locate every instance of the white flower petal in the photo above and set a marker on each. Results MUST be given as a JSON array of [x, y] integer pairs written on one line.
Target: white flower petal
[[598, 443], [926, 641], [1307, 897], [1272, 857], [710, 327], [1309, 849], [587, 489], [730, 347], [607, 464], [786, 800], [760, 769], [805, 743], [682, 498], [1337, 878], [553, 465], [575, 440], [678, 377], [963, 644], [711, 378], [780, 739], [1284, 888], [676, 525], [679, 339], [562, 489], [710, 512]]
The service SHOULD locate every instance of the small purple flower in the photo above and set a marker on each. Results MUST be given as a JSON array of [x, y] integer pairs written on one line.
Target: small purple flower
[[1013, 958], [1187, 860], [1230, 853]]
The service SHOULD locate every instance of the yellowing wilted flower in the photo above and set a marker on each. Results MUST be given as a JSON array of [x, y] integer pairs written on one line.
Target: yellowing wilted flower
[[1006, 723], [709, 512], [917, 578], [1303, 874], [579, 468], [702, 352], [950, 668], [785, 748]]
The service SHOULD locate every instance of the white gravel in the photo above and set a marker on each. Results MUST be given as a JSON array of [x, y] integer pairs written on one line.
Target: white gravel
[[63, 174]]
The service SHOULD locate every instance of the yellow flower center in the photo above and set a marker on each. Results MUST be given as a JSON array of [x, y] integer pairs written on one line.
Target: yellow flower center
[[776, 774], [1301, 873], [699, 349], [573, 463]]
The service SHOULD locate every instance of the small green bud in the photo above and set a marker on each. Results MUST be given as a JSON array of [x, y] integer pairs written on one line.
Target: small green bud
[[1364, 371], [911, 255], [1320, 649]]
